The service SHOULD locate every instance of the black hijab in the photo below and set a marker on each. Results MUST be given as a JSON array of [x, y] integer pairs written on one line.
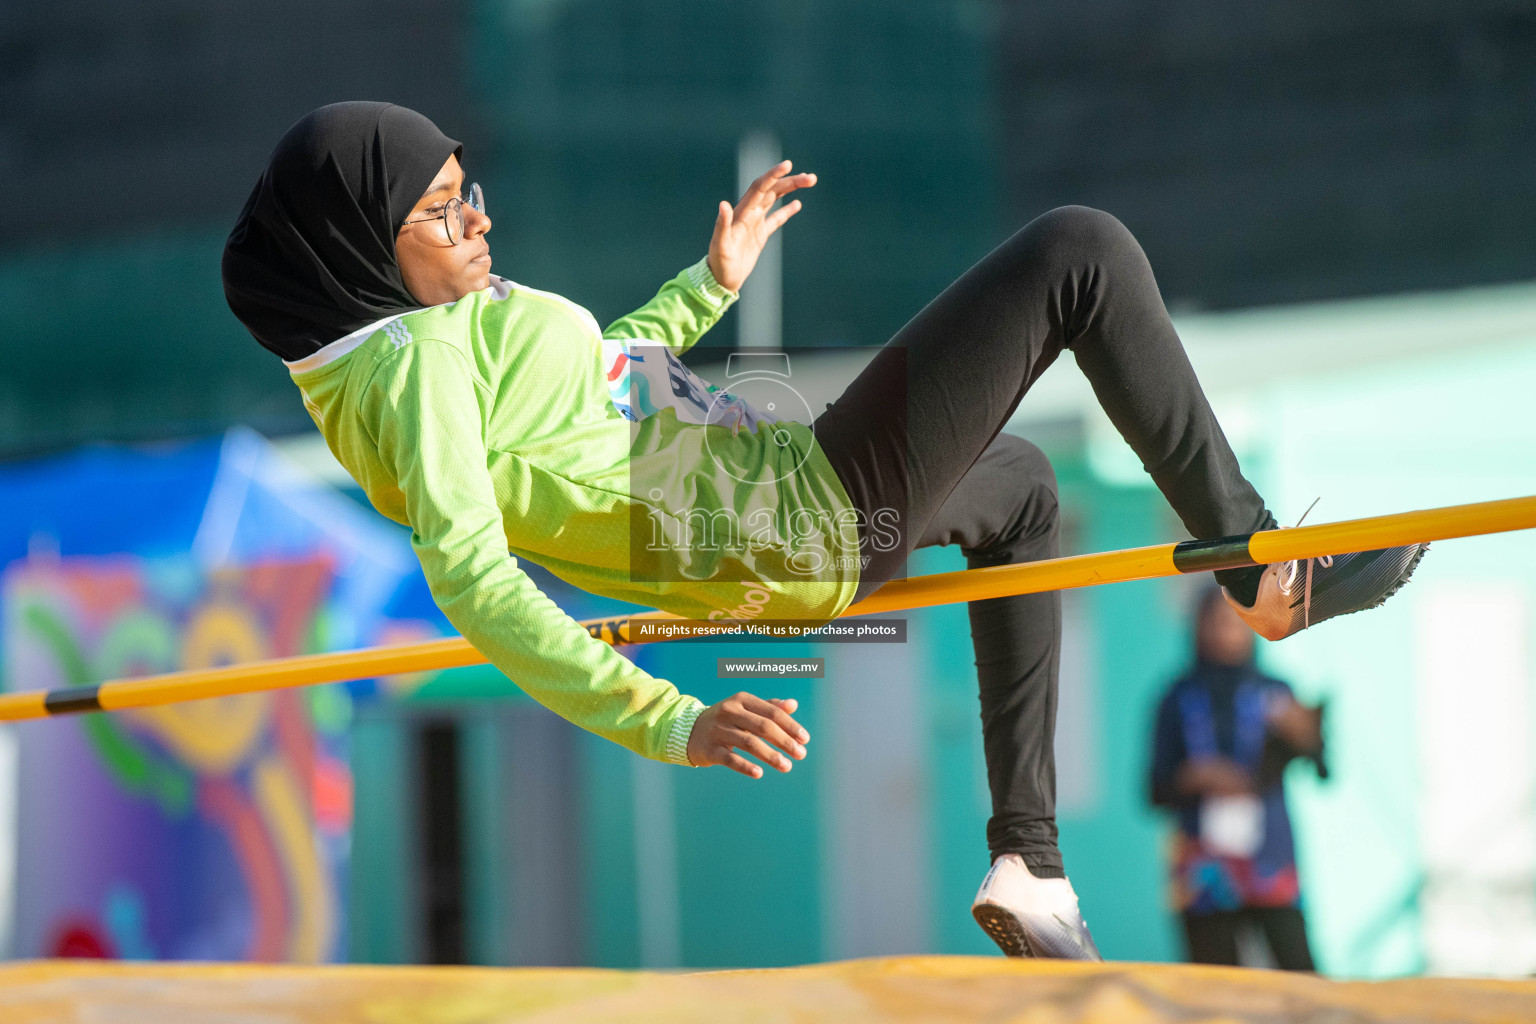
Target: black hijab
[[312, 257]]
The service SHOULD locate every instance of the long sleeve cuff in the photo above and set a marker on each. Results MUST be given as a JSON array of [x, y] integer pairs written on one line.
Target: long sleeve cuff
[[703, 281], [677, 739]]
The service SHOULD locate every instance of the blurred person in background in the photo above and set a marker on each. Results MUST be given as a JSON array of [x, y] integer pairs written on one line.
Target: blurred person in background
[[1225, 732], [502, 422]]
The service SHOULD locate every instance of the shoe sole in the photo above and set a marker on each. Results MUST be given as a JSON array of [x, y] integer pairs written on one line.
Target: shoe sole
[[1004, 928]]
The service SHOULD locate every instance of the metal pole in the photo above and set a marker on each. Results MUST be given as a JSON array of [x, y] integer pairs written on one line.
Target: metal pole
[[760, 310]]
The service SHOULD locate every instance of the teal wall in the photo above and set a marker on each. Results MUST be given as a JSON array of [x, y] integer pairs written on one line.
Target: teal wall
[[382, 892], [1437, 430]]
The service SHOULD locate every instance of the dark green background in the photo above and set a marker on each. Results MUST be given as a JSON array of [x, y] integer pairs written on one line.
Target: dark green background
[[1262, 155]]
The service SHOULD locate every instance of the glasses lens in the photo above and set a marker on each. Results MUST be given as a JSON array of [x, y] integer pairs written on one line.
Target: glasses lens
[[477, 198], [453, 220]]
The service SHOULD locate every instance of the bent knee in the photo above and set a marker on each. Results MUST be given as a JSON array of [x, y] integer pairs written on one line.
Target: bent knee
[[1023, 461], [1082, 229]]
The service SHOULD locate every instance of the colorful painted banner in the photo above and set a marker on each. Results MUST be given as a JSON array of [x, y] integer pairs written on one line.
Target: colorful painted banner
[[217, 829]]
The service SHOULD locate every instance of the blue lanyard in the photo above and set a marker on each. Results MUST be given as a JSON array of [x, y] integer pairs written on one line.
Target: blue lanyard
[[1199, 721]]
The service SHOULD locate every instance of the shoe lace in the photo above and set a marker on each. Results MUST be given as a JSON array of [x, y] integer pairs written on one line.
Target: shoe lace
[[1291, 571]]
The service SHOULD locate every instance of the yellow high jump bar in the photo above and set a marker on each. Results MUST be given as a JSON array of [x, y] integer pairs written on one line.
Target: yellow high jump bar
[[899, 595]]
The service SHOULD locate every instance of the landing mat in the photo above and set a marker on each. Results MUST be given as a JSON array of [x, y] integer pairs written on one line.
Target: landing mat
[[927, 989]]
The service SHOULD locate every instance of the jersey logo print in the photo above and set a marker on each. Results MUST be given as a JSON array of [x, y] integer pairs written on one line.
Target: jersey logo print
[[646, 377], [314, 410], [398, 333], [629, 392]]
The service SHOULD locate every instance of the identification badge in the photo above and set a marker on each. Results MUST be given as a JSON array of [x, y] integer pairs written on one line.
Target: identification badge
[[1232, 826]]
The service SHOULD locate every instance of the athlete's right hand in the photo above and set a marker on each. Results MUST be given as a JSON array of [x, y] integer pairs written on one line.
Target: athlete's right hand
[[742, 231], [751, 724]]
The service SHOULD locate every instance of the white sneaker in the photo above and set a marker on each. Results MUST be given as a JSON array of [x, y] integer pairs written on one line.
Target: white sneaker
[[1029, 916]]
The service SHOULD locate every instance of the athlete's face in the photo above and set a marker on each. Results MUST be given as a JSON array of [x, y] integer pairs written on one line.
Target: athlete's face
[[435, 270]]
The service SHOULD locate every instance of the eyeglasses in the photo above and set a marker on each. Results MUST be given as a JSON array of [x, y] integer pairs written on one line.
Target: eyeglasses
[[453, 213]]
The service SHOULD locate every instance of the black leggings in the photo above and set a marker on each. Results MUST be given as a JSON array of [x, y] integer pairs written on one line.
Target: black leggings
[[916, 439]]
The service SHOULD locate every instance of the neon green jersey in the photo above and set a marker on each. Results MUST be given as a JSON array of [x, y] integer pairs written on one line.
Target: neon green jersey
[[491, 427]]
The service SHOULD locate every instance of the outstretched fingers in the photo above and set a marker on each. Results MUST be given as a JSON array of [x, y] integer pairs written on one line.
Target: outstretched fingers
[[780, 712], [774, 724], [764, 729], [784, 186], [781, 215], [736, 763], [764, 187], [771, 186], [755, 745], [725, 216]]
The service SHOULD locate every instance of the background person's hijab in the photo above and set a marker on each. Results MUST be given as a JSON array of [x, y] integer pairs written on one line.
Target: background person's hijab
[[312, 257]]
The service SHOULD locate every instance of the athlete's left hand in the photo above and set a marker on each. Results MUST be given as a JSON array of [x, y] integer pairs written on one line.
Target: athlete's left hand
[[742, 231], [752, 725]]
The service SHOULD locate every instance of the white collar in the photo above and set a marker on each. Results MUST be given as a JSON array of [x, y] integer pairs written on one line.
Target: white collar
[[499, 287]]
